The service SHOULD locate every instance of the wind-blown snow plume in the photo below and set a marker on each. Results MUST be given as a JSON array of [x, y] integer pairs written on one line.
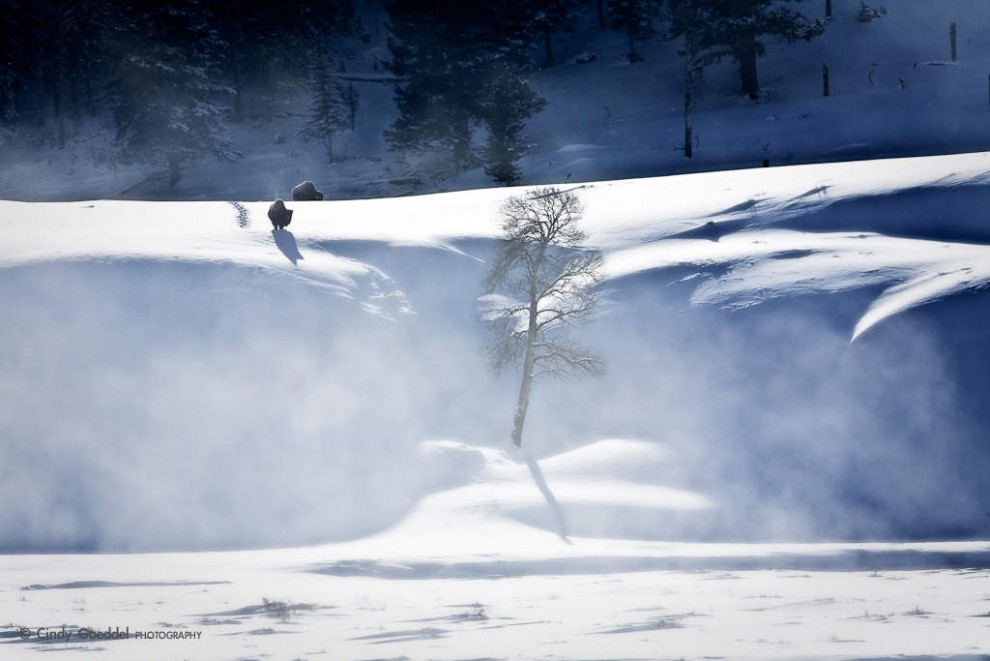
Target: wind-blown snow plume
[[217, 387]]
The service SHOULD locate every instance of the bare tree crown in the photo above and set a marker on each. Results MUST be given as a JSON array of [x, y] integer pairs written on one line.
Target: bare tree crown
[[542, 280], [538, 228]]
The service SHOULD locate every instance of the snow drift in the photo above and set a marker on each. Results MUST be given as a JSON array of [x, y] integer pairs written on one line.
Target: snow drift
[[178, 376]]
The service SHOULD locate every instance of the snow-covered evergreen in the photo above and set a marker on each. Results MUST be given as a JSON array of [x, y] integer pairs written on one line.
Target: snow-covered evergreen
[[10, 48], [329, 111], [888, 70], [460, 61], [168, 104], [506, 103], [636, 20]]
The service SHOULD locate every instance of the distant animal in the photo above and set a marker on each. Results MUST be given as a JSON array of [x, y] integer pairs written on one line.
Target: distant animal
[[306, 192], [279, 215]]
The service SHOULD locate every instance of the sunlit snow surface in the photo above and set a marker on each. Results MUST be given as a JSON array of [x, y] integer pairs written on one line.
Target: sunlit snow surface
[[456, 580], [470, 566], [705, 220]]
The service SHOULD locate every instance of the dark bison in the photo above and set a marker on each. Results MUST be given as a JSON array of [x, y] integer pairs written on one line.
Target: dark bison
[[306, 192], [279, 215]]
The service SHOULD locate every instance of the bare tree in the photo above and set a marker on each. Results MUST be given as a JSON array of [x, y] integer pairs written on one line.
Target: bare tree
[[542, 282]]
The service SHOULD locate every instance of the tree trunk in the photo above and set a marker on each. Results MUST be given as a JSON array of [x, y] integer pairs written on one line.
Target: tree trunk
[[744, 49], [58, 76], [688, 101], [352, 104], [532, 334], [633, 55], [601, 14], [330, 148], [525, 386], [59, 111], [828, 8], [173, 168], [462, 144], [547, 46], [238, 101], [747, 71]]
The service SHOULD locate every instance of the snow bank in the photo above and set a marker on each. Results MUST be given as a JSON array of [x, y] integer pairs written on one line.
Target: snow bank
[[218, 384]]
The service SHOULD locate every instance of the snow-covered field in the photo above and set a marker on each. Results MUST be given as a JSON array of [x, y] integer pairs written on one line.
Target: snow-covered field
[[787, 457], [702, 608]]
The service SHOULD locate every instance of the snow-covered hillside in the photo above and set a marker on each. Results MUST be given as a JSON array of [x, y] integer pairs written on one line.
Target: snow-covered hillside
[[786, 459], [273, 387]]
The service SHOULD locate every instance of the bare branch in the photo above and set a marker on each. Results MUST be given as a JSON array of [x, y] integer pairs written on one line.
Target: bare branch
[[567, 360]]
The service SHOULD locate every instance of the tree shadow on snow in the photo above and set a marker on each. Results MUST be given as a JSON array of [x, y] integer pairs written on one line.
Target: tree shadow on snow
[[286, 242]]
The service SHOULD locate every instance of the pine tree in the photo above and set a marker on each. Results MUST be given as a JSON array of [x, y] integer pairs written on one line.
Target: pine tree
[[168, 105], [549, 17], [508, 101], [431, 48], [733, 28], [269, 40], [331, 102], [446, 51], [328, 113], [249, 31], [51, 52], [687, 18], [64, 50], [635, 18], [10, 65], [352, 101]]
